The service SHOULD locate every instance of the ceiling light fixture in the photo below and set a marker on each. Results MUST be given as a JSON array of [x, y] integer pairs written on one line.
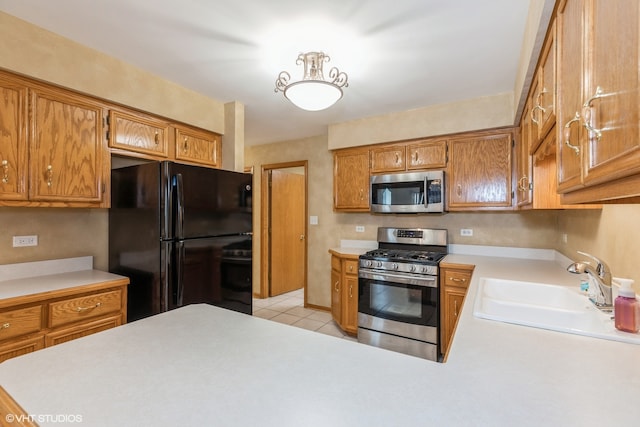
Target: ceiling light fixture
[[313, 92]]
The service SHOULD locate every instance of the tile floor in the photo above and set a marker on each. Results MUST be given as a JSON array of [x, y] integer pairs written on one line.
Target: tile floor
[[289, 309]]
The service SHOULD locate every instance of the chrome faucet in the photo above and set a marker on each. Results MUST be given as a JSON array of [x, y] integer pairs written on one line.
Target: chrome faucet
[[600, 275]]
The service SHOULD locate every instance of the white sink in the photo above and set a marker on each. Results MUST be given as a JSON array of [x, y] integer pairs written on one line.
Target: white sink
[[539, 305]]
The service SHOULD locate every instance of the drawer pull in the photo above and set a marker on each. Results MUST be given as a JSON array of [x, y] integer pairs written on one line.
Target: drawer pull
[[81, 309], [456, 279], [5, 326]]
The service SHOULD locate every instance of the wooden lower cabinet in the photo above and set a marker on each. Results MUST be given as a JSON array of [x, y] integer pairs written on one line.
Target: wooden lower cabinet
[[454, 282], [344, 291], [32, 322]]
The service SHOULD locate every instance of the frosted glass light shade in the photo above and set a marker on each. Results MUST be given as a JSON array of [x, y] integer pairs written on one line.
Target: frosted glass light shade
[[313, 95]]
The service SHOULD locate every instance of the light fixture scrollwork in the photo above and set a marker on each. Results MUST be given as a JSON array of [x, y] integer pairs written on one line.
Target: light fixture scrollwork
[[313, 92]]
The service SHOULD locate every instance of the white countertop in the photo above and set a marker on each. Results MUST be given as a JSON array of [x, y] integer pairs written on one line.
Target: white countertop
[[202, 365], [29, 278]]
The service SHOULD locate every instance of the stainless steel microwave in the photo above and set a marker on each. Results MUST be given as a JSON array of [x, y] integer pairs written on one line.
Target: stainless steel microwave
[[414, 192]]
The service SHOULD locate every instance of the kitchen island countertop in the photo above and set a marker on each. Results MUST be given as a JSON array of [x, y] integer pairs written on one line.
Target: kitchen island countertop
[[202, 365]]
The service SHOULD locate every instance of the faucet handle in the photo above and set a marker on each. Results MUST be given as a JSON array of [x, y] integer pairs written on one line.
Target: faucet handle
[[601, 267]]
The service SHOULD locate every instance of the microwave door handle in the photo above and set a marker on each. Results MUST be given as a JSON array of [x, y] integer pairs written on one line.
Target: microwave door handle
[[425, 193]]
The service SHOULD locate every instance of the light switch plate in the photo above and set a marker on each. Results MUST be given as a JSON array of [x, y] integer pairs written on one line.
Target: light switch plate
[[466, 232]]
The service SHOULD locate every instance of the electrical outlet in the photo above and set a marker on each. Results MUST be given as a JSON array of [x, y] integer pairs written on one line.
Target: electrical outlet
[[564, 238], [19, 241], [466, 232], [360, 228]]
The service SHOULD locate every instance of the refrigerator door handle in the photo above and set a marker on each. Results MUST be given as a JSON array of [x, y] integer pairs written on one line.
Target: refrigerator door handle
[[179, 195], [179, 283]]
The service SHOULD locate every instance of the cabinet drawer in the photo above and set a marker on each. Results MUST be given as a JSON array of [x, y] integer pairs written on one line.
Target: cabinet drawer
[[351, 266], [20, 322], [85, 307], [457, 278]]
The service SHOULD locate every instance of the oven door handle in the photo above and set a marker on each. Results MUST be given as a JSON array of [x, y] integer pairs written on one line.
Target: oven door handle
[[425, 281]]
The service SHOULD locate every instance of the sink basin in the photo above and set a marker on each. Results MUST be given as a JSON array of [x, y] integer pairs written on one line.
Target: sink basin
[[545, 306]]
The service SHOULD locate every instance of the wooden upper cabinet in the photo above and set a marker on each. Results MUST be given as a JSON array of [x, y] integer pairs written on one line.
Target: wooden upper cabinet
[[480, 171], [569, 129], [427, 155], [523, 159], [598, 89], [138, 133], [612, 90], [68, 151], [543, 92], [13, 140], [198, 146], [351, 180], [388, 158]]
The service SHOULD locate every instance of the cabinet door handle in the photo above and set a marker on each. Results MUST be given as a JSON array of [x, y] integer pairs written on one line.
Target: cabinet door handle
[[49, 174], [455, 308], [459, 190], [350, 291], [5, 326], [335, 286], [538, 107], [567, 134], [81, 309], [522, 183], [415, 157], [5, 172], [185, 147], [587, 116], [361, 194], [156, 138]]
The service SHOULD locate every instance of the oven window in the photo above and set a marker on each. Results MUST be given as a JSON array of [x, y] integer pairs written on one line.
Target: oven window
[[394, 302]]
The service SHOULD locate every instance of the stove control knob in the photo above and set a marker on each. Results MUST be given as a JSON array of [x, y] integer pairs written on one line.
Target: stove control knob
[[424, 269], [395, 266], [413, 268], [368, 263], [379, 264]]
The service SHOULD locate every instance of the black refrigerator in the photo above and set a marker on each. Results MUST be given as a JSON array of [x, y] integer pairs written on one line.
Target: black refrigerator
[[182, 234]]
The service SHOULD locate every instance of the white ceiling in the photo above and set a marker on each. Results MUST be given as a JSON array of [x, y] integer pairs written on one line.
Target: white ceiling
[[399, 54]]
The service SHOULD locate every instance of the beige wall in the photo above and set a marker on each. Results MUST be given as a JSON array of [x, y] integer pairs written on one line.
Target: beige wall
[[611, 234], [472, 114], [62, 233]]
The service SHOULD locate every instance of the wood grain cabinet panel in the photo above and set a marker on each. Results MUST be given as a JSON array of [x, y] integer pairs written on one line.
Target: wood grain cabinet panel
[[344, 293], [351, 180], [84, 307], [454, 282], [388, 158], [18, 348], [23, 321], [427, 155], [197, 146], [13, 140], [598, 128], [480, 171], [68, 151], [83, 330], [139, 133]]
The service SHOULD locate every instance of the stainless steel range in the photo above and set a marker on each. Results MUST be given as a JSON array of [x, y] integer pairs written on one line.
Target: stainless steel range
[[398, 301]]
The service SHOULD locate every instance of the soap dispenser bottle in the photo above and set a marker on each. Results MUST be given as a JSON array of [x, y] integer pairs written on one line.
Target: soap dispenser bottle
[[627, 309]]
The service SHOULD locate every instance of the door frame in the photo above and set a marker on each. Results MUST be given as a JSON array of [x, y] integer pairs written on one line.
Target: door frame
[[265, 238]]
